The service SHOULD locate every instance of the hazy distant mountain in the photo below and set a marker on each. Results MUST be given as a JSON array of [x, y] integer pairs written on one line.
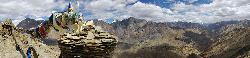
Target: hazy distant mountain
[[141, 36], [203, 37], [29, 23]]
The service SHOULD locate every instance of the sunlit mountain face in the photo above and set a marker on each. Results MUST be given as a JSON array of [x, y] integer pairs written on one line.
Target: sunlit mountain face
[[144, 28]]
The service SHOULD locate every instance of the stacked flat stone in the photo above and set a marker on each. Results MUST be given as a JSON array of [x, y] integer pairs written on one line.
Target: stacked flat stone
[[87, 45]]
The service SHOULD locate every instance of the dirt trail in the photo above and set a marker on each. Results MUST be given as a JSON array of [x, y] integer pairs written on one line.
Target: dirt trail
[[14, 47]]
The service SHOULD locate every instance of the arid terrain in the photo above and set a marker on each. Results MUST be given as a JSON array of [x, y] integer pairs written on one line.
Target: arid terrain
[[144, 39]]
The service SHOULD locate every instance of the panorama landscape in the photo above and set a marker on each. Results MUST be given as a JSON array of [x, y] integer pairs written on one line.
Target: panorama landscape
[[125, 29]]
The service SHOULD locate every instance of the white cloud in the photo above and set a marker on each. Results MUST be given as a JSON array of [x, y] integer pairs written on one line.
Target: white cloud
[[122, 9], [106, 9], [131, 1], [18, 9], [218, 10], [146, 11], [39, 19], [190, 1]]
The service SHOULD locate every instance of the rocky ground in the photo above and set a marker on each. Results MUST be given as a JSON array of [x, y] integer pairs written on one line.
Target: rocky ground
[[144, 39], [16, 45]]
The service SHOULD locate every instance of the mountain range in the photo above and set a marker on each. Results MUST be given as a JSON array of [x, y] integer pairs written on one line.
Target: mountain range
[[139, 38]]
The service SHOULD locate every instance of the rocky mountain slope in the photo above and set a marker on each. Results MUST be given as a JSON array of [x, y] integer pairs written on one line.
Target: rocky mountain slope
[[29, 23], [14, 43], [232, 42], [139, 38], [155, 39]]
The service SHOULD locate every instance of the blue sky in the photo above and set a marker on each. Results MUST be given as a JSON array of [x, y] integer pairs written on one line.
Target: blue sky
[[161, 3], [197, 11], [169, 4]]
